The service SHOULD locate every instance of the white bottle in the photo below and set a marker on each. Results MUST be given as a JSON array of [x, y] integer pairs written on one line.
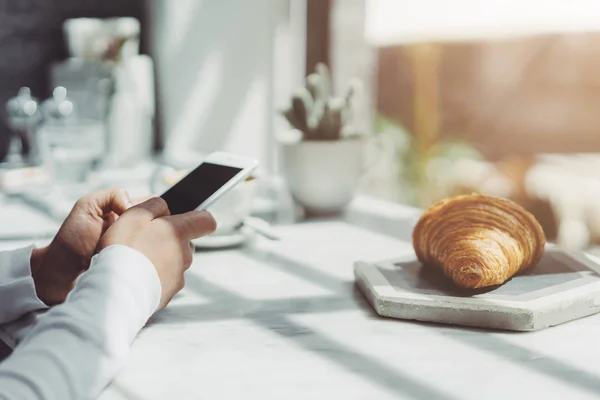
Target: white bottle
[[130, 123]]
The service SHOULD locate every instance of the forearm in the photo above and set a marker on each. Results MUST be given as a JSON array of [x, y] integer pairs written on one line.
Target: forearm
[[79, 346]]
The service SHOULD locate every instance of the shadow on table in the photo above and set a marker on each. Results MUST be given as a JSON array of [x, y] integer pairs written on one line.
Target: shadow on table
[[523, 357], [299, 269], [274, 316]]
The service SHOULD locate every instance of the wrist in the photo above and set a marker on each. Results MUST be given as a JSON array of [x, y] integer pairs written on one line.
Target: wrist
[[37, 259]]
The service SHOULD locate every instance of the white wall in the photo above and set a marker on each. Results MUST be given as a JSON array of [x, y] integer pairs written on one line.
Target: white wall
[[352, 57], [222, 67]]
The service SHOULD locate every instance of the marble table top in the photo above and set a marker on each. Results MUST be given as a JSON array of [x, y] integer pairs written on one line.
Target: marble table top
[[283, 320]]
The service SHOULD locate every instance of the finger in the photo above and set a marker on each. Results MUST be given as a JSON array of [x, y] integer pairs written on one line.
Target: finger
[[188, 256], [113, 199], [193, 224], [109, 219], [150, 209]]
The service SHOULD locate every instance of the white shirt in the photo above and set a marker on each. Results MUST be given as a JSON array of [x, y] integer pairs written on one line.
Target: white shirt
[[76, 348]]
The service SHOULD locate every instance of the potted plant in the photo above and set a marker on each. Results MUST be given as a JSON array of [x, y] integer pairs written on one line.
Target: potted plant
[[451, 166], [323, 154]]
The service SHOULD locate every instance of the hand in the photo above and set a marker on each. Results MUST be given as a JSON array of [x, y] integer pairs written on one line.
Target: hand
[[162, 238], [55, 268]]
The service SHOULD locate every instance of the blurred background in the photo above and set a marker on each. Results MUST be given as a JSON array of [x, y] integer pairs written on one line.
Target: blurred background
[[497, 97]]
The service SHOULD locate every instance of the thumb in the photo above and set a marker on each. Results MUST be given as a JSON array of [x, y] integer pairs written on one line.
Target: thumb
[[193, 224], [149, 210]]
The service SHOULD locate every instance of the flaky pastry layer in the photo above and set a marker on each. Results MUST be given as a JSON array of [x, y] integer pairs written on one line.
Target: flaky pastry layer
[[478, 241]]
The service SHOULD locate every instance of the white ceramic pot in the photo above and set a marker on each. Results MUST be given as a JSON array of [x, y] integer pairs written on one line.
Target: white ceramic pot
[[323, 176]]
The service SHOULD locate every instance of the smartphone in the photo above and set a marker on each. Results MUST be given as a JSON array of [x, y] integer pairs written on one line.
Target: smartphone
[[218, 174]]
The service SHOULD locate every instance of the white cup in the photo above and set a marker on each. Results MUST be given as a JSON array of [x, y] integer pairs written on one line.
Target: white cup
[[234, 207]]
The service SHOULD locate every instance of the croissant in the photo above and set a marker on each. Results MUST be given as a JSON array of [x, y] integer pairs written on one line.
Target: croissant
[[478, 241]]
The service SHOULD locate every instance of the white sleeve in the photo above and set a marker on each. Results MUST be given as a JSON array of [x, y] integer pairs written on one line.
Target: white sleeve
[[17, 290], [79, 346]]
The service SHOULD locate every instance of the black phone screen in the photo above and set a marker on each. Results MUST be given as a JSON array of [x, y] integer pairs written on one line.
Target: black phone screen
[[190, 192]]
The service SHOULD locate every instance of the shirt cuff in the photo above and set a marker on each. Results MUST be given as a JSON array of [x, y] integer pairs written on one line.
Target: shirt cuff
[[122, 284], [16, 285]]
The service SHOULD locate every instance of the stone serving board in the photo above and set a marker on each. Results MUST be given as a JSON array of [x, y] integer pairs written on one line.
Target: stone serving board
[[560, 288]]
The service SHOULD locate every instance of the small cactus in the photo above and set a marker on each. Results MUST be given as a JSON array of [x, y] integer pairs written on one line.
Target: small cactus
[[317, 113]]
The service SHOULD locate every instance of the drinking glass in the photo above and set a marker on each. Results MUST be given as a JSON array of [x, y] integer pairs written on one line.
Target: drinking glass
[[71, 150]]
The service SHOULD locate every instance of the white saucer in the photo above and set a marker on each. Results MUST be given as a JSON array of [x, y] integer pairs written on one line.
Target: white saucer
[[235, 239]]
